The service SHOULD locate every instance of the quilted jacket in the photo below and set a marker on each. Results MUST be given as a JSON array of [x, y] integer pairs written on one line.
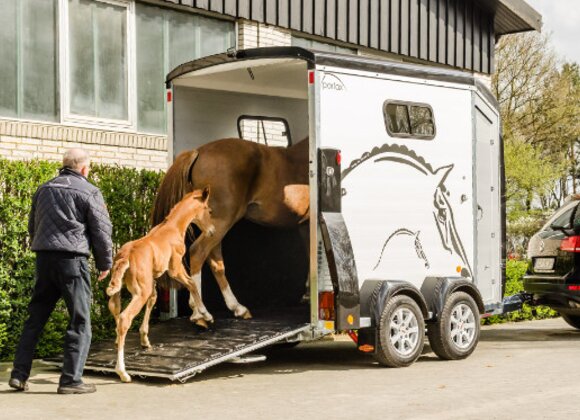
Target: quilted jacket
[[69, 214]]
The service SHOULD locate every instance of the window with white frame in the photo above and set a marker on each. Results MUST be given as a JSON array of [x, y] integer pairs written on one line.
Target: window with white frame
[[28, 59], [165, 39], [98, 61]]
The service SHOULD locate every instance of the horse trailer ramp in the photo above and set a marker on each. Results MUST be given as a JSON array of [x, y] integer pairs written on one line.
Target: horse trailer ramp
[[180, 350]]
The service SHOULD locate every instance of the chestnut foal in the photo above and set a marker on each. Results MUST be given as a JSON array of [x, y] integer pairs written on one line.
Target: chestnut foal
[[139, 263]]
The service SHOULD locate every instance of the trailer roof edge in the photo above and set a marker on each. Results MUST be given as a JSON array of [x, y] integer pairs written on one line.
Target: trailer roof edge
[[346, 61]]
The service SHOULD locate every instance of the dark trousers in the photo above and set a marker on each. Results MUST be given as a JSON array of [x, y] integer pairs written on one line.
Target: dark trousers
[[58, 274]]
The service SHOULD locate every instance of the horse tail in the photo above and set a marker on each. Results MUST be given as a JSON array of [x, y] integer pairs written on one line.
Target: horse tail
[[175, 184], [119, 269]]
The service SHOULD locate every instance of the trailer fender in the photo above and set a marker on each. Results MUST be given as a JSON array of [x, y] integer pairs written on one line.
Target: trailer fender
[[374, 295], [436, 290]]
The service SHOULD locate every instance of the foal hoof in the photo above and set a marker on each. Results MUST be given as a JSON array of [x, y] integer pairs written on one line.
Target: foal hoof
[[125, 377]]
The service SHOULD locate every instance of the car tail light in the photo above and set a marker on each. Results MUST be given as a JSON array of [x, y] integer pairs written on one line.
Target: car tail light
[[571, 244], [326, 305], [574, 287]]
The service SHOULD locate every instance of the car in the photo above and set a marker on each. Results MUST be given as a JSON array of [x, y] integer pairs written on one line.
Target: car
[[553, 275]]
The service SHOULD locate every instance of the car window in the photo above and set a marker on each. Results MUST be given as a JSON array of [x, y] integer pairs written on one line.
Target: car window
[[561, 217]]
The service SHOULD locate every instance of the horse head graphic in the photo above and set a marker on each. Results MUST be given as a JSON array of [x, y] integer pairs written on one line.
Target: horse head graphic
[[399, 215]]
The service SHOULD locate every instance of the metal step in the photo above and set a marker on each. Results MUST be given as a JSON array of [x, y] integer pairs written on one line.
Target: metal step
[[180, 351]]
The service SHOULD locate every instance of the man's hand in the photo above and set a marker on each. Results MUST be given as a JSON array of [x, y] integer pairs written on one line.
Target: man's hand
[[103, 275]]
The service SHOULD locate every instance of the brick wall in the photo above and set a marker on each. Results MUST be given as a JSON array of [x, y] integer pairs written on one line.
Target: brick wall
[[254, 34], [27, 140]]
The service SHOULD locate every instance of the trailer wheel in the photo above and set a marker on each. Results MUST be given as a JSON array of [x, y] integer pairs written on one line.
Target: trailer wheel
[[572, 320], [401, 332], [456, 334]]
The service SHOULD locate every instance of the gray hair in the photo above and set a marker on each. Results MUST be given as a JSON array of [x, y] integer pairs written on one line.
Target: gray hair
[[76, 158]]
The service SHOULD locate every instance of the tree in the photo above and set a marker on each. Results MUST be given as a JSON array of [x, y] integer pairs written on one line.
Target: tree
[[540, 108]]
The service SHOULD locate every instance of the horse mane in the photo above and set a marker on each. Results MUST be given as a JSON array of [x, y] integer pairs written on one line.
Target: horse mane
[[394, 148], [175, 184]]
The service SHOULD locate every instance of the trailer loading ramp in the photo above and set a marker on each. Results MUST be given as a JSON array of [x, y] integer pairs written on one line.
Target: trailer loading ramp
[[180, 351]]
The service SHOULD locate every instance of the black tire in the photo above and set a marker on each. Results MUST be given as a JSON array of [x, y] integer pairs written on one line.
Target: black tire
[[409, 347], [446, 344], [572, 320]]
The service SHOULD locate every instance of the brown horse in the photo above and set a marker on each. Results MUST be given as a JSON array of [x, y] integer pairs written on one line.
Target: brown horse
[[265, 185]]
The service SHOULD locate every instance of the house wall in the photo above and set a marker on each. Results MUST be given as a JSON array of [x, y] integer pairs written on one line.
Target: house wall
[[261, 25]]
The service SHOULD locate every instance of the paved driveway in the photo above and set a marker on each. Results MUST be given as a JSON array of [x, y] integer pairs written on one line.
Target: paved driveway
[[525, 370]]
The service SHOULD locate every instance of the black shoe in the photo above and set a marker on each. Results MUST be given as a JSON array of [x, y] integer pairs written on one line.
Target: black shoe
[[18, 385], [76, 389]]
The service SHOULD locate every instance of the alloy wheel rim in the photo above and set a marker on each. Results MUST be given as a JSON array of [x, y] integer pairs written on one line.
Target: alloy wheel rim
[[462, 326], [404, 331]]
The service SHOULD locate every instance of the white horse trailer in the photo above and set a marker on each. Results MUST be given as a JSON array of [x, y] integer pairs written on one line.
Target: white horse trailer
[[406, 208]]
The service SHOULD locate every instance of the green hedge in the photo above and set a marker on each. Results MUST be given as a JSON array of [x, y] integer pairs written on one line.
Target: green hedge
[[515, 270], [129, 195]]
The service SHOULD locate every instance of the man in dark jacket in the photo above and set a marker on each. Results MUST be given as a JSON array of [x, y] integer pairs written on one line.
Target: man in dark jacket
[[68, 219]]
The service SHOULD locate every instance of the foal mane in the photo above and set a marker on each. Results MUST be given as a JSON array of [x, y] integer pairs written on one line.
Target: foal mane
[[175, 184]]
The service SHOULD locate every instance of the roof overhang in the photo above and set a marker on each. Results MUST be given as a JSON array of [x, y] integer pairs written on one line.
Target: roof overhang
[[512, 16]]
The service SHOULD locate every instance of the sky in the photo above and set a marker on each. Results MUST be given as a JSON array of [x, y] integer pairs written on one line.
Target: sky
[[561, 19]]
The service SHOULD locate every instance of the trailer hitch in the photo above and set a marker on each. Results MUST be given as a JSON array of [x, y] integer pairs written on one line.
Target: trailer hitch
[[516, 302]]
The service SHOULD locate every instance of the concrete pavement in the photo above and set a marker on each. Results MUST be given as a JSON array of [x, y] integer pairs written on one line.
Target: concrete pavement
[[523, 370]]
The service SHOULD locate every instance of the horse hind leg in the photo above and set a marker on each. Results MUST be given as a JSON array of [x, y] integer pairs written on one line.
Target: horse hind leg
[[195, 314], [218, 269], [198, 254], [144, 329]]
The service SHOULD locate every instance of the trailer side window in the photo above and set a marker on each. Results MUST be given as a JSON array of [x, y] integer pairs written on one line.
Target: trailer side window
[[271, 131], [407, 119]]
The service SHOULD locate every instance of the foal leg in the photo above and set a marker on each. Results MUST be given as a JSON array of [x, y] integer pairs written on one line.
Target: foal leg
[[216, 262], [115, 309], [125, 318], [144, 329], [177, 271]]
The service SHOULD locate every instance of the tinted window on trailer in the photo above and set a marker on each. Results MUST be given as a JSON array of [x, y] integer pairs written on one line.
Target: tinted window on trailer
[[410, 120], [271, 131]]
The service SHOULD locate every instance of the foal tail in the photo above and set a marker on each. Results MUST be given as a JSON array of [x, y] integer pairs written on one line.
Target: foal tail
[[119, 269], [175, 184]]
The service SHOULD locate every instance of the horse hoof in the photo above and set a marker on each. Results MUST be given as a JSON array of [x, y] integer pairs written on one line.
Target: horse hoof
[[242, 312], [201, 323], [125, 377]]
